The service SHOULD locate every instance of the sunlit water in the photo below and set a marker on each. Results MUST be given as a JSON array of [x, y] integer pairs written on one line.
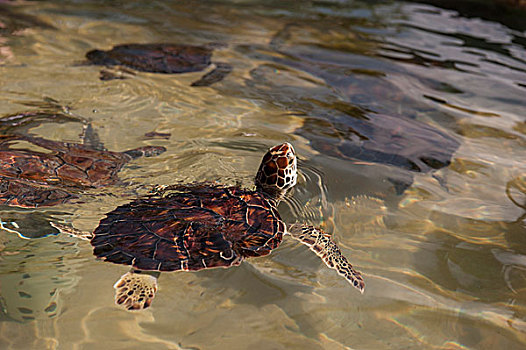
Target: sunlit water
[[443, 250]]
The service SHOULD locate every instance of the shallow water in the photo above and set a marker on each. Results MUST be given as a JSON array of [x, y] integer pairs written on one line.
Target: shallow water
[[442, 247]]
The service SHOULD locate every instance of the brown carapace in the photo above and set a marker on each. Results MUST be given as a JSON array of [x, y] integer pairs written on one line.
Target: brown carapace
[[161, 58], [199, 226], [192, 228], [31, 179]]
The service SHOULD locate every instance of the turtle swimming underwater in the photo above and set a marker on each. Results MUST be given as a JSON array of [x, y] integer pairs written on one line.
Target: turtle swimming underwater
[[200, 226], [161, 58], [33, 179]]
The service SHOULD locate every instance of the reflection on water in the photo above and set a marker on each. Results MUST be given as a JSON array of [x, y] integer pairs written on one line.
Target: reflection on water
[[408, 119]]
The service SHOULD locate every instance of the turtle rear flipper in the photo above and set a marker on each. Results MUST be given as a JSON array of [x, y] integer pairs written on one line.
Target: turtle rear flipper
[[322, 244], [135, 291], [72, 231], [219, 73]]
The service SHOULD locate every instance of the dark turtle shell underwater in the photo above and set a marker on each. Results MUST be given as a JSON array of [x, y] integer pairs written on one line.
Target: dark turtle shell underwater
[[155, 58], [379, 138], [32, 179], [196, 227], [161, 58]]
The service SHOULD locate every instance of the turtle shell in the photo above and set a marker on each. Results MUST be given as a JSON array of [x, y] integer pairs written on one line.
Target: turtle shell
[[25, 194], [196, 227], [30, 179], [154, 58]]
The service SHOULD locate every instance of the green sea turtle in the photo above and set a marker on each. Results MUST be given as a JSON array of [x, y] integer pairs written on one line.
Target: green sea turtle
[[32, 179], [199, 226], [161, 58]]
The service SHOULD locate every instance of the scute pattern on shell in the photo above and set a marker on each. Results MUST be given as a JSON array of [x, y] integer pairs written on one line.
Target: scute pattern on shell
[[69, 164], [31, 195], [194, 227], [30, 178]]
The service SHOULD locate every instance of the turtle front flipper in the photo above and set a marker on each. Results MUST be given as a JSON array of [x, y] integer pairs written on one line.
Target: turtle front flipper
[[146, 151], [135, 291], [219, 73], [322, 244], [115, 73], [90, 138]]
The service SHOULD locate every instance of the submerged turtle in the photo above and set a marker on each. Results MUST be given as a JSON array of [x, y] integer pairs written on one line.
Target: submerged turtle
[[200, 226], [378, 138], [161, 58], [32, 179]]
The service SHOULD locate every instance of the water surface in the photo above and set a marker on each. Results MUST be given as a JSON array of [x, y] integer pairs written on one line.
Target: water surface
[[442, 244]]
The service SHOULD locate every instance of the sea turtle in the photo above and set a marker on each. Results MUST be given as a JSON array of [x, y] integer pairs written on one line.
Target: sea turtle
[[32, 179], [379, 138], [199, 226], [161, 58]]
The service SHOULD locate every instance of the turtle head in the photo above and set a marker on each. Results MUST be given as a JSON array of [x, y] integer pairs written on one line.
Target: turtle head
[[277, 172]]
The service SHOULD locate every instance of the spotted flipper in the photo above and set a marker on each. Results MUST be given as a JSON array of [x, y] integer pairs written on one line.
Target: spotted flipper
[[135, 291], [218, 74], [322, 244], [72, 231]]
